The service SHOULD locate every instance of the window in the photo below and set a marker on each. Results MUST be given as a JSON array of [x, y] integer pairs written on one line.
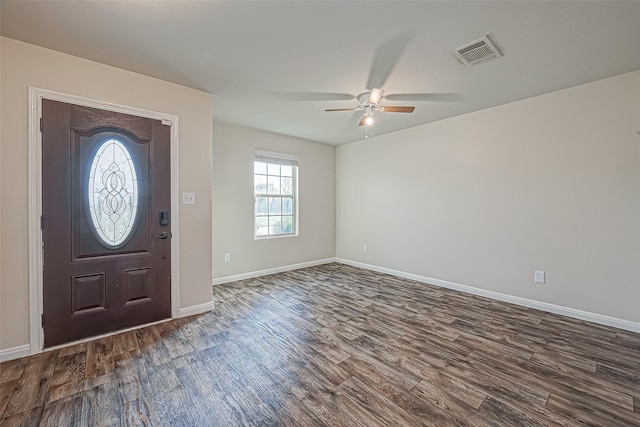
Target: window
[[275, 190]]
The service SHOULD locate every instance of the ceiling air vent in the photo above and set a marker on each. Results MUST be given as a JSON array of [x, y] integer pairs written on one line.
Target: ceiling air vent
[[476, 52]]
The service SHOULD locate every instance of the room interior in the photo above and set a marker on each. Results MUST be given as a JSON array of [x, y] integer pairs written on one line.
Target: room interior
[[526, 162]]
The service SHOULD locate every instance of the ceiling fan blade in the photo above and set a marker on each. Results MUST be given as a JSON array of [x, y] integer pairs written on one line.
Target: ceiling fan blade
[[392, 109], [313, 96], [385, 60], [340, 109], [362, 120], [375, 96], [423, 97]]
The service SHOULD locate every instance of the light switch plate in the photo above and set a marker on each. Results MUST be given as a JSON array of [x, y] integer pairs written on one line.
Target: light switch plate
[[188, 198]]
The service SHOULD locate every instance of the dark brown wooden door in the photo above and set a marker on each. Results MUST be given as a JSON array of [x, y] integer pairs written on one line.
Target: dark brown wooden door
[[106, 204]]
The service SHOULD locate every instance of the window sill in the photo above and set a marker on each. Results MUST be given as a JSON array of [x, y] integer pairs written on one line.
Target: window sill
[[275, 236]]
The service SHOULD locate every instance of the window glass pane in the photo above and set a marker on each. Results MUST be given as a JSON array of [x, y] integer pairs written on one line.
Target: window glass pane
[[287, 186], [287, 224], [287, 205], [274, 184], [275, 225], [275, 205], [259, 184], [259, 167], [275, 198], [261, 206], [273, 169], [262, 226]]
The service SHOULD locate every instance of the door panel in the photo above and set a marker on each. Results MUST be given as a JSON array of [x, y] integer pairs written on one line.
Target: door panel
[[106, 179]]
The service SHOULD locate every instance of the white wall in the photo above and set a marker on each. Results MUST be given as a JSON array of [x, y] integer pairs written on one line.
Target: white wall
[[549, 183], [24, 65], [233, 202]]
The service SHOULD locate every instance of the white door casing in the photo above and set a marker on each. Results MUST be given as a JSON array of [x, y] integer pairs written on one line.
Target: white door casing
[[36, 95]]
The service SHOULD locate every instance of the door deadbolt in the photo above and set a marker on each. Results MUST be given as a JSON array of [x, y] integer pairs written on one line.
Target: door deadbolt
[[164, 218]]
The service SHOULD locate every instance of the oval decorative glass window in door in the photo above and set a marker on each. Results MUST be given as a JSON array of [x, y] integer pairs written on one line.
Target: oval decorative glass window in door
[[113, 193]]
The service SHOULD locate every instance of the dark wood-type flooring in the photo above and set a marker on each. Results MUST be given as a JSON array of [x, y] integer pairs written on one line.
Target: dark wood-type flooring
[[336, 345]]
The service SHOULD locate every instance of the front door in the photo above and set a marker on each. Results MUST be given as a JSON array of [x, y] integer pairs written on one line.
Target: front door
[[106, 221]]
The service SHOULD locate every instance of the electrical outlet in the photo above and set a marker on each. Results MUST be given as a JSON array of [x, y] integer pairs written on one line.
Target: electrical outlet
[[538, 276], [227, 257], [188, 198], [365, 248]]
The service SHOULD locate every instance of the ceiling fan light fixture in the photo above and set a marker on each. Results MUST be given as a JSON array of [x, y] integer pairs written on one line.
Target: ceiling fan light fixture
[[368, 104]]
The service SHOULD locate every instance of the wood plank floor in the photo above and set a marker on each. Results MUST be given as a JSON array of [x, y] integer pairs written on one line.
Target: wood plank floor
[[336, 345]]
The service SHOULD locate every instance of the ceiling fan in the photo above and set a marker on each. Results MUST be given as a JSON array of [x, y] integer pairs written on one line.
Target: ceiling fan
[[385, 59], [370, 102]]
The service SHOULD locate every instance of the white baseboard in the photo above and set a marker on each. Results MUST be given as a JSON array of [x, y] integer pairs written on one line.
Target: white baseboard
[[196, 309], [538, 305], [252, 274], [15, 352]]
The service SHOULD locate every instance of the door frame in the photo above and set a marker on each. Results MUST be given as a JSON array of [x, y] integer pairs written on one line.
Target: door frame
[[36, 95]]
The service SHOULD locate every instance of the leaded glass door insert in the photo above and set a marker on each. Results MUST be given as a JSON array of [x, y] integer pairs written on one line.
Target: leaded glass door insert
[[112, 193]]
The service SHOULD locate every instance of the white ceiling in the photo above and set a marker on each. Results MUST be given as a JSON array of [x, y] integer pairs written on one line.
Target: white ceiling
[[269, 64]]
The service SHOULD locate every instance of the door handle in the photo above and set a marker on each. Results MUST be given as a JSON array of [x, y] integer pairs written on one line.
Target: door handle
[[162, 235]]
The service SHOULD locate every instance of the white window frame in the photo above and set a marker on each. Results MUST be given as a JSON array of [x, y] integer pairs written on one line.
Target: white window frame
[[281, 159]]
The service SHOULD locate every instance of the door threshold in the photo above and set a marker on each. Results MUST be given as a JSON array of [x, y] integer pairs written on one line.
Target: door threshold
[[108, 334]]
